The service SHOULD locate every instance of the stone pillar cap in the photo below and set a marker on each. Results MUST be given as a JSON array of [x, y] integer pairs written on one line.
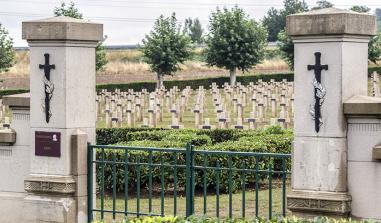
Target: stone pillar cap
[[362, 105], [17, 100], [62, 28], [331, 21]]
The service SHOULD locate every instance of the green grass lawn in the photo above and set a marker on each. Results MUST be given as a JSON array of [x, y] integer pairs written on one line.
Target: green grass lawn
[[237, 209]]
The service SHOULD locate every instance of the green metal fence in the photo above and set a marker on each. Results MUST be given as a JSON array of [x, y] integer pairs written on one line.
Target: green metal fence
[[140, 173]]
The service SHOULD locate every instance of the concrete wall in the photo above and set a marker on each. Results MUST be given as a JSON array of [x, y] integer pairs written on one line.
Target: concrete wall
[[364, 173], [14, 167]]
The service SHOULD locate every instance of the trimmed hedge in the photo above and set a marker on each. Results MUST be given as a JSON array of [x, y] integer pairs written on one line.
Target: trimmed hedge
[[12, 91], [372, 69], [206, 82], [270, 140]]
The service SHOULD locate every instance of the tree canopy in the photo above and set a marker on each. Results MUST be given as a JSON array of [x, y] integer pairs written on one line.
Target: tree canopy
[[235, 41], [275, 20], [378, 15], [374, 52], [68, 10], [165, 47], [286, 47], [193, 28], [322, 4], [72, 11], [360, 8], [7, 53]]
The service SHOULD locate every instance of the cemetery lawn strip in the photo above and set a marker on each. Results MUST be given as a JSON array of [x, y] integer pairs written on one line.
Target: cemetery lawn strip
[[211, 204]]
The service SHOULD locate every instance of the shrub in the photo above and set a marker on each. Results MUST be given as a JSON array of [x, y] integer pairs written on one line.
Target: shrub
[[270, 140], [12, 91], [205, 219]]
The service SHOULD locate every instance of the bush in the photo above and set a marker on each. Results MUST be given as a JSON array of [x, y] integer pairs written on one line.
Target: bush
[[12, 91], [195, 83], [270, 140], [204, 219]]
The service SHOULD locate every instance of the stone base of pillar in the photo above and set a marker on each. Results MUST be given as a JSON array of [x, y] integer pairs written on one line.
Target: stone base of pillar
[[49, 208], [50, 199], [309, 204]]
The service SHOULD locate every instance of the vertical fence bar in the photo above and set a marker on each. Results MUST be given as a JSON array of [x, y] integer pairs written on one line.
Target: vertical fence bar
[[188, 181], [162, 184], [192, 178], [89, 183], [256, 186], [150, 182], [138, 187], [205, 183], [102, 183], [218, 189], [243, 184], [125, 183], [175, 184], [113, 186], [230, 186], [270, 192], [284, 186]]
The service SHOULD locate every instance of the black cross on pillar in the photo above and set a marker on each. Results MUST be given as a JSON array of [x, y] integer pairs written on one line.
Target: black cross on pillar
[[319, 90], [49, 87]]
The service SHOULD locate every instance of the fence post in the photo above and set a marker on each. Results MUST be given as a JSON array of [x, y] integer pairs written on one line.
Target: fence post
[[189, 185], [89, 183]]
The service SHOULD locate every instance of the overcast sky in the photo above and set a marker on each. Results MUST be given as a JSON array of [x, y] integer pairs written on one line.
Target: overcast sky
[[127, 21]]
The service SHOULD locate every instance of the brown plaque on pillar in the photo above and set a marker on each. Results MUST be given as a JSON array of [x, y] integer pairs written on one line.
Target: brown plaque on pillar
[[48, 144]]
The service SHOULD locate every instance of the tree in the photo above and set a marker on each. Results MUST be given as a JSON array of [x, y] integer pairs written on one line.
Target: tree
[[286, 47], [100, 50], [374, 52], [235, 41], [165, 47], [274, 23], [193, 29], [275, 20], [69, 11], [7, 54], [322, 4], [360, 8], [378, 15]]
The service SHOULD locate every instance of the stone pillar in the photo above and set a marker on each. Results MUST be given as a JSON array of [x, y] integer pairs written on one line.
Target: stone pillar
[[319, 164], [64, 48]]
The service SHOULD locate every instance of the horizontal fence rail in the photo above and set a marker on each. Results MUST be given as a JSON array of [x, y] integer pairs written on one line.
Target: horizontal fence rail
[[163, 181]]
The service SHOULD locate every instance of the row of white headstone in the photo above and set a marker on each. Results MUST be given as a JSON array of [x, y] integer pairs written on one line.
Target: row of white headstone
[[268, 103]]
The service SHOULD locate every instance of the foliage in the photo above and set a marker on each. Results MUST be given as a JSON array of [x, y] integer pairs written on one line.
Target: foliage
[[322, 4], [68, 10], [195, 83], [7, 54], [235, 41], [360, 8], [165, 47], [378, 15], [374, 51], [193, 29], [100, 55], [205, 219], [72, 11], [275, 20], [272, 140], [6, 92], [286, 47]]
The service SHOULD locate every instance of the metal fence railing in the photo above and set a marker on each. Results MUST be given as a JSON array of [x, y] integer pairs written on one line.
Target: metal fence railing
[[142, 181]]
